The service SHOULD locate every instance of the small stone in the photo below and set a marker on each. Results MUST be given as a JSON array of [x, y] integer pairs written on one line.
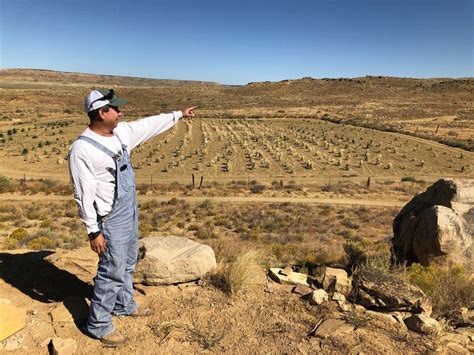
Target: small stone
[[318, 297], [344, 307], [339, 298], [421, 323], [359, 309], [302, 290], [336, 280], [62, 346], [293, 279]]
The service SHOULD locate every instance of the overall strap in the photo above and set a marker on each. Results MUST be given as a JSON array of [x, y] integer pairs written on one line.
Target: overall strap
[[100, 146], [124, 147]]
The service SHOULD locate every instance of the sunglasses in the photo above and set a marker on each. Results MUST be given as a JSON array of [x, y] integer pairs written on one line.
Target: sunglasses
[[107, 96]]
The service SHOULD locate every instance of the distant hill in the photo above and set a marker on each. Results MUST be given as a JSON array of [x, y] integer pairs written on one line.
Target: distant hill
[[58, 77]]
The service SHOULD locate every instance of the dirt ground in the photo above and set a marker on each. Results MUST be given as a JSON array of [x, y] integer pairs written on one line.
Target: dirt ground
[[266, 318]]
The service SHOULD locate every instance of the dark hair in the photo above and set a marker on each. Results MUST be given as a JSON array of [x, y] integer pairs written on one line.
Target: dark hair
[[94, 115]]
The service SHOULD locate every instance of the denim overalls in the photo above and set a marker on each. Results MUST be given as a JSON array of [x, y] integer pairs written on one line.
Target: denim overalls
[[113, 287]]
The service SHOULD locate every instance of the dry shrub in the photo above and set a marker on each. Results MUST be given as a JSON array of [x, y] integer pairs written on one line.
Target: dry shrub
[[41, 243], [10, 243], [19, 234], [235, 277], [144, 230], [450, 288], [15, 239]]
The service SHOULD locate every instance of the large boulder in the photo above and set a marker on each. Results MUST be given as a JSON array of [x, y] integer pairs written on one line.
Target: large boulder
[[376, 290], [437, 226], [172, 260]]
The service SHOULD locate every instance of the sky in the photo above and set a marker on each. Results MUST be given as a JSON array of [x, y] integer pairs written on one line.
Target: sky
[[236, 42]]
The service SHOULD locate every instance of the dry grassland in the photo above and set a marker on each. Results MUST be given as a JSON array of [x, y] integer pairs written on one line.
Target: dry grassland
[[298, 172]]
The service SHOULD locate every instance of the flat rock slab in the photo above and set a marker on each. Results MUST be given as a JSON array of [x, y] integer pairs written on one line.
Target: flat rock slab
[[12, 319], [333, 327], [172, 260], [293, 278], [377, 290]]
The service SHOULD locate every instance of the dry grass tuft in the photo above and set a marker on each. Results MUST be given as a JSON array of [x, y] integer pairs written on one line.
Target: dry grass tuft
[[239, 273], [235, 277]]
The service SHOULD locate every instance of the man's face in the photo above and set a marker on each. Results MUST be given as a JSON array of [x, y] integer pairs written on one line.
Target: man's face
[[110, 118]]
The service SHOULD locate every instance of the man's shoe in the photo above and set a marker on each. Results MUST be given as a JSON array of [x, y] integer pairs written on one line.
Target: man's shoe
[[142, 312], [113, 339]]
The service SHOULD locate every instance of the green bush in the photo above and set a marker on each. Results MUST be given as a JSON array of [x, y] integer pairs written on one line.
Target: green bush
[[5, 183], [356, 254], [450, 288], [408, 179]]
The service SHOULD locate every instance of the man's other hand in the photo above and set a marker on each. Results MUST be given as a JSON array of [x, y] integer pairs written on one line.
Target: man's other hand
[[189, 112], [98, 244]]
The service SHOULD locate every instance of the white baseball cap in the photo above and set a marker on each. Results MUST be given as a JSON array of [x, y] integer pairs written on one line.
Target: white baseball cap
[[101, 97]]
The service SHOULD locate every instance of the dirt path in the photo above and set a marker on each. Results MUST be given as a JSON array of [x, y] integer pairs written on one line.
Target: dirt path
[[223, 199]]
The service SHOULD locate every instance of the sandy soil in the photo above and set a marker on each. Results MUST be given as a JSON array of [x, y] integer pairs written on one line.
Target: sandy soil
[[267, 318]]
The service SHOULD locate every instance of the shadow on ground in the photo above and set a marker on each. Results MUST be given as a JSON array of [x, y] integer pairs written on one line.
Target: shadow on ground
[[39, 279]]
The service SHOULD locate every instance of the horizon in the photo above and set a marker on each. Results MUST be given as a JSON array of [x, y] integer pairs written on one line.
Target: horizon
[[238, 42], [251, 82]]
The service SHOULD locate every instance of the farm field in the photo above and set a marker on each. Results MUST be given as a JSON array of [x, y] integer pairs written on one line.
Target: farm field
[[232, 149]]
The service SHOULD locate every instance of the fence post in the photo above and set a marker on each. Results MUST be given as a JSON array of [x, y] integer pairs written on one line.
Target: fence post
[[192, 176]]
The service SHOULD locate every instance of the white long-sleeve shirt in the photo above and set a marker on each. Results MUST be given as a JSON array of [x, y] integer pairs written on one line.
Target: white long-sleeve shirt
[[93, 171]]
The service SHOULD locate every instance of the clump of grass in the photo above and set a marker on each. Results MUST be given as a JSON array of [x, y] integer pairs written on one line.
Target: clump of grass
[[235, 277], [450, 288], [5, 183], [206, 231], [355, 320]]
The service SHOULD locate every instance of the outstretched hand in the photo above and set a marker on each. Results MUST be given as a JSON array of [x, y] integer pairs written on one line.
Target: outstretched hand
[[189, 112]]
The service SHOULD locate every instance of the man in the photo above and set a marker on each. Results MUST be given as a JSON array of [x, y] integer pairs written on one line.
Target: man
[[104, 189]]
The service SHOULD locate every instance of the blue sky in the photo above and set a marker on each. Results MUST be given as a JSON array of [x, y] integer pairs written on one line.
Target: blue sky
[[235, 42]]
